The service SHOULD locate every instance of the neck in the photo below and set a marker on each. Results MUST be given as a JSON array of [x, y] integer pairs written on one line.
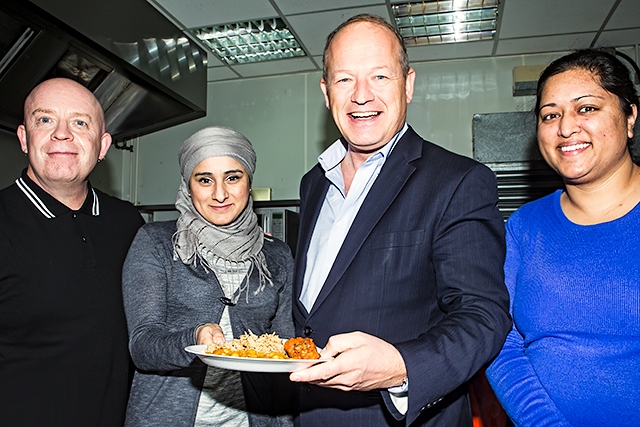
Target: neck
[[70, 194], [350, 164], [604, 201]]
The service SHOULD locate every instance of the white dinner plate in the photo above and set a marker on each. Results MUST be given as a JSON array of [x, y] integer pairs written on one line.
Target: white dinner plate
[[249, 364]]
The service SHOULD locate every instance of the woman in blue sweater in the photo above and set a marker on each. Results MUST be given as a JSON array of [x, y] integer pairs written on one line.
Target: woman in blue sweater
[[572, 266]]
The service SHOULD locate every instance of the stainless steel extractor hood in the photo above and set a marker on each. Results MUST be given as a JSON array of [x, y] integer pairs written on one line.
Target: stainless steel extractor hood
[[147, 74]]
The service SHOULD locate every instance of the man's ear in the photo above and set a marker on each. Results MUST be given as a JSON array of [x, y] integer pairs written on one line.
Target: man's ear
[[105, 143], [325, 92], [22, 136], [408, 86]]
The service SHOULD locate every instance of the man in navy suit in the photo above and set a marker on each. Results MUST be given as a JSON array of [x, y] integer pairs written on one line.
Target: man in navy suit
[[399, 267]]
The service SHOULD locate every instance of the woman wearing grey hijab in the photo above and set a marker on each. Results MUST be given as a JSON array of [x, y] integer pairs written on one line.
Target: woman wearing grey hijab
[[209, 276]]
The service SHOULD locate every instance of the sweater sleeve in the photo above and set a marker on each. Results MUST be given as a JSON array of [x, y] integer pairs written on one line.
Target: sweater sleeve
[[283, 321], [511, 375], [154, 345]]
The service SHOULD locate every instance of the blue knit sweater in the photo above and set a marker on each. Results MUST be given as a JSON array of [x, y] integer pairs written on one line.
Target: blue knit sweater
[[573, 356]]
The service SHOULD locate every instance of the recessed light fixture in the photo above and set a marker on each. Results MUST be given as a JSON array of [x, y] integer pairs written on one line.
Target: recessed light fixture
[[250, 41], [437, 21]]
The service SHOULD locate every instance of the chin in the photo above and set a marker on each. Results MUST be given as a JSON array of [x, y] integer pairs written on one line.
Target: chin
[[574, 177], [220, 222]]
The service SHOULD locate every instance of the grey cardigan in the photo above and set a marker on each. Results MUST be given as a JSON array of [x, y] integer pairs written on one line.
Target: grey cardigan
[[166, 300]]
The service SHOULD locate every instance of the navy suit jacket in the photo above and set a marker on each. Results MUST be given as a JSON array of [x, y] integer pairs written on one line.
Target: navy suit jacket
[[421, 268]]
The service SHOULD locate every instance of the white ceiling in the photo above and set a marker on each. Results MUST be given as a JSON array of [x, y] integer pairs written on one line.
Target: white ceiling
[[524, 26]]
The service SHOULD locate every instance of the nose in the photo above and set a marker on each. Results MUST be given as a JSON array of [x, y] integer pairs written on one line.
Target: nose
[[219, 193], [568, 125], [62, 131], [362, 92]]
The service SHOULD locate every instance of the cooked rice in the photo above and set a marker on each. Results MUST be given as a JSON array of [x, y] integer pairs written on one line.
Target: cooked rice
[[265, 344]]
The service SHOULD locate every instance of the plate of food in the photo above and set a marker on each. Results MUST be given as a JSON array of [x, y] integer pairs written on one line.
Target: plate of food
[[264, 353]]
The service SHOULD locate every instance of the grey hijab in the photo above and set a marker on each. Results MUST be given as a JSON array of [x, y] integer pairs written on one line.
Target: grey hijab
[[196, 238]]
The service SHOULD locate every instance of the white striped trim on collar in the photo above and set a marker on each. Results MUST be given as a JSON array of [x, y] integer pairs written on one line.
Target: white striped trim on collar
[[39, 204], [95, 208]]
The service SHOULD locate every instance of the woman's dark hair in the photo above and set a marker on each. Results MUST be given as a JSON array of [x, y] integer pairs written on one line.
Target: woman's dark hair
[[610, 72]]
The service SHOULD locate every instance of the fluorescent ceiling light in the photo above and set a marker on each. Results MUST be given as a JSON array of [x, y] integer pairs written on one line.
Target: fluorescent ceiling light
[[250, 41], [438, 21]]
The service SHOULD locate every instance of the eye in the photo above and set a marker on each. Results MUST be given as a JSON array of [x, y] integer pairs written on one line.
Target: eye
[[234, 178], [44, 120], [547, 117], [587, 109], [380, 77], [80, 123], [205, 180]]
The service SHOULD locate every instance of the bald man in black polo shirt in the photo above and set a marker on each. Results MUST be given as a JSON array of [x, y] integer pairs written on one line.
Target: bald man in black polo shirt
[[63, 337]]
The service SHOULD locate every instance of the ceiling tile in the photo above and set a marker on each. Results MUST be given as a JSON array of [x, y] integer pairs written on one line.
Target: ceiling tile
[[450, 51], [200, 13], [212, 59], [619, 38], [526, 18], [283, 66], [626, 15], [290, 7], [542, 44], [220, 73], [313, 29]]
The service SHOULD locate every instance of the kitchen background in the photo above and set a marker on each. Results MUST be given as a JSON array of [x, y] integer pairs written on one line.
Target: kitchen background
[[278, 104]]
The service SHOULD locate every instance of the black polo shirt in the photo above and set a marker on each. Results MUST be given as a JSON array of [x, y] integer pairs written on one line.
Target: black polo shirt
[[63, 337]]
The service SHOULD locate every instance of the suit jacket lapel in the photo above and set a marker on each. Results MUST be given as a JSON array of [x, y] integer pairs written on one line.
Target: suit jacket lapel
[[309, 214], [393, 176], [314, 202]]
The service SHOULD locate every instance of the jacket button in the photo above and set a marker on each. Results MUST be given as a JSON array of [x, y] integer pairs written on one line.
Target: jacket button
[[307, 331]]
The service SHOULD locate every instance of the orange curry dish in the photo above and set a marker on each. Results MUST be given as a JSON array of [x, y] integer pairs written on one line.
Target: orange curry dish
[[301, 348], [266, 346]]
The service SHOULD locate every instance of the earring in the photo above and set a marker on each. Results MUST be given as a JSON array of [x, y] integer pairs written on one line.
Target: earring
[[99, 159]]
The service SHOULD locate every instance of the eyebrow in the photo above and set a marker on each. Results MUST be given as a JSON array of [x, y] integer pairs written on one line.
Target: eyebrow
[[350, 71], [49, 111], [226, 172], [553, 104], [41, 110]]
